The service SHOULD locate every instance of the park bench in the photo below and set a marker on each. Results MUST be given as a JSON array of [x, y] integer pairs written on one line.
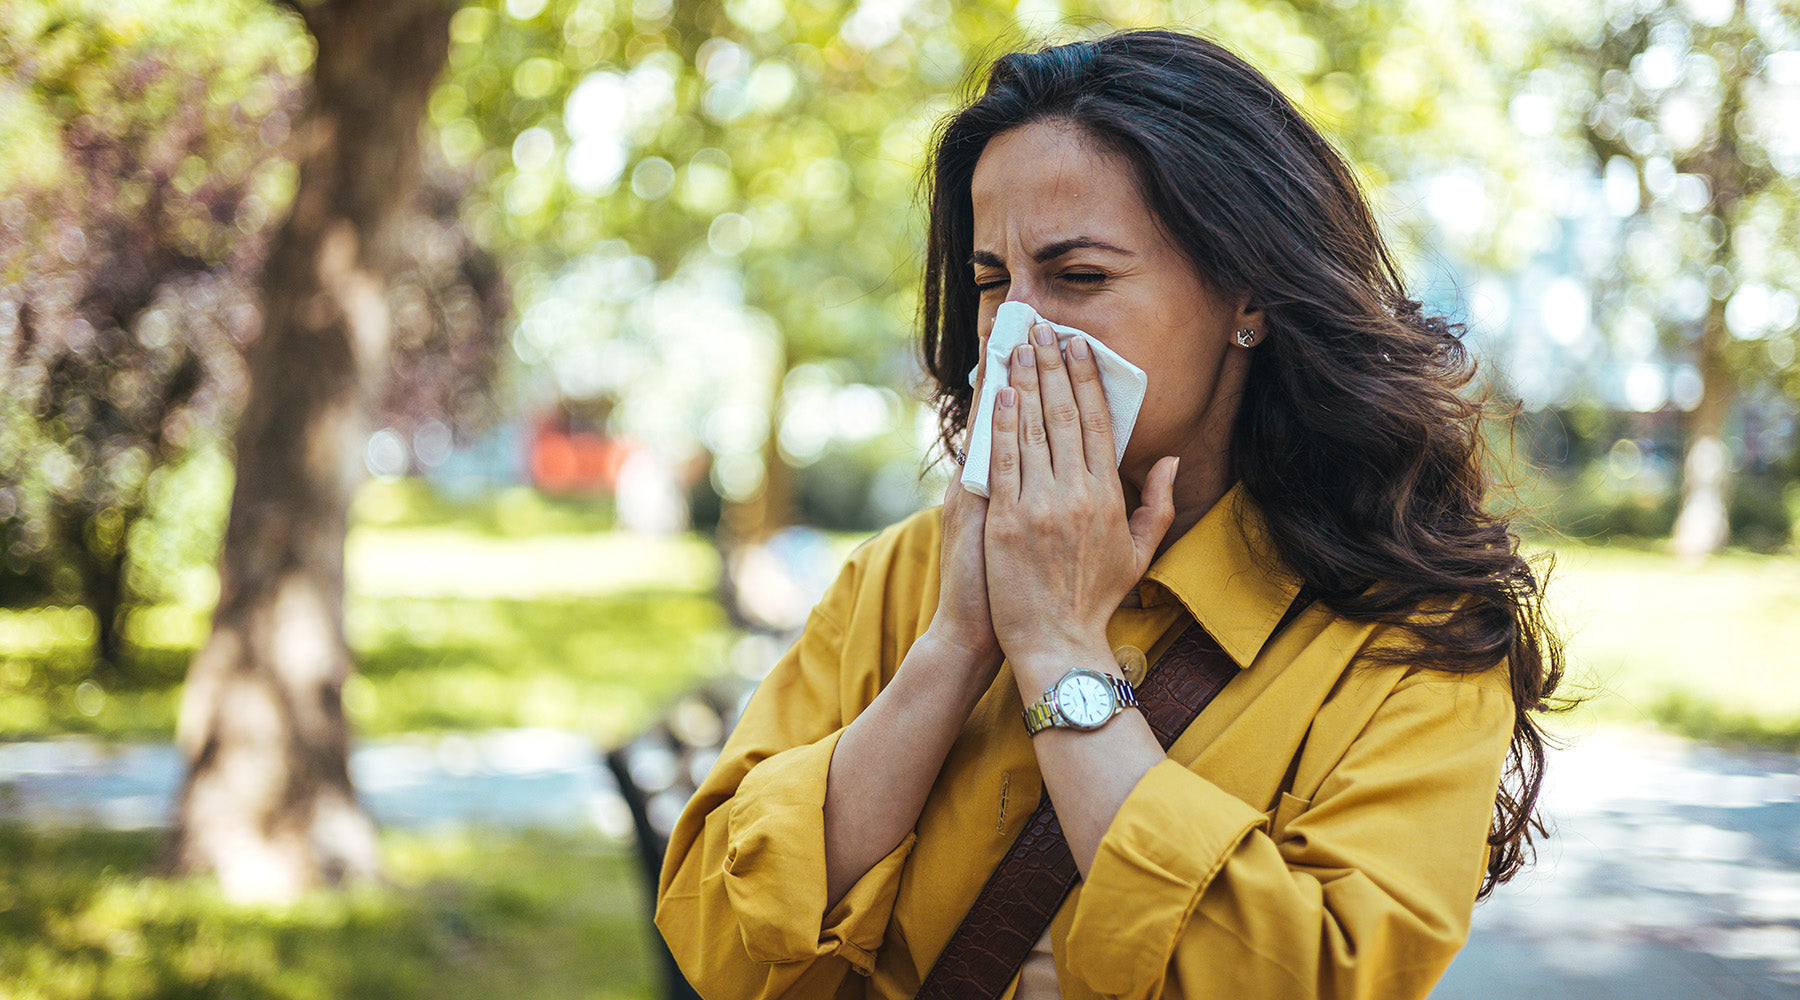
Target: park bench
[[766, 591], [658, 771]]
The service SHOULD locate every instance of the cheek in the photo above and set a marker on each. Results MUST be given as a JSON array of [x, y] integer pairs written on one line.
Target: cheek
[[1181, 387], [1167, 405], [984, 329], [985, 311]]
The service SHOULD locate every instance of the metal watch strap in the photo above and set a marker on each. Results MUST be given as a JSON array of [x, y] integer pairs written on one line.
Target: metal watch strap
[[1026, 889], [1043, 713]]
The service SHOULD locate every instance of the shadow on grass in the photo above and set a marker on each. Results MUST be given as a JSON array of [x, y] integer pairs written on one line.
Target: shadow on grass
[[1692, 717], [598, 665], [470, 915]]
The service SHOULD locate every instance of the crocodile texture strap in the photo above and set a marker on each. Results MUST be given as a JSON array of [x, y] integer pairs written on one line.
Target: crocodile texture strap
[[1025, 891], [1027, 888]]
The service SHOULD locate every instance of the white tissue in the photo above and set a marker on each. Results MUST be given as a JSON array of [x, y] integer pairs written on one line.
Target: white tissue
[[1123, 382]]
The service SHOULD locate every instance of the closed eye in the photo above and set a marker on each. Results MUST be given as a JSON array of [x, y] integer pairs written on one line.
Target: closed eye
[[1084, 277], [988, 286]]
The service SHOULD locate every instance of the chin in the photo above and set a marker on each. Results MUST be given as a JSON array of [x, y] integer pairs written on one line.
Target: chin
[[1132, 472]]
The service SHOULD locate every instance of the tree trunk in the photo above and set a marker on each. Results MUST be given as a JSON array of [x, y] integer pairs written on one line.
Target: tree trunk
[[268, 805], [746, 524], [1702, 526], [100, 562]]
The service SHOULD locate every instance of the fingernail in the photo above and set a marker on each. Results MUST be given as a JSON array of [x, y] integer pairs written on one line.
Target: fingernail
[[1027, 355], [1078, 348], [1007, 396], [1042, 333]]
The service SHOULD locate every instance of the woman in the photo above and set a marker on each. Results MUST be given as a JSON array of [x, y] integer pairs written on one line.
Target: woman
[[1302, 480]]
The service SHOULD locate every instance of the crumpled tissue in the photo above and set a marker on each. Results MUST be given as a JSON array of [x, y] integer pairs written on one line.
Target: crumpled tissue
[[1123, 382]]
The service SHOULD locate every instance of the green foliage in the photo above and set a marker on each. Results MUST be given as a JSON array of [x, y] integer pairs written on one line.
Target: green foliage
[[143, 175], [89, 68], [1594, 476], [472, 915], [146, 168], [1596, 505], [1683, 110], [780, 146], [766, 157], [174, 545]]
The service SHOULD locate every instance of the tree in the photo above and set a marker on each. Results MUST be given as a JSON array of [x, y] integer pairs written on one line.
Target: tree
[[140, 170], [268, 803], [1683, 106], [146, 156]]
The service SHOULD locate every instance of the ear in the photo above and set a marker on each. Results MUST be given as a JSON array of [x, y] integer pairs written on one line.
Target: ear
[[1247, 325], [1250, 314]]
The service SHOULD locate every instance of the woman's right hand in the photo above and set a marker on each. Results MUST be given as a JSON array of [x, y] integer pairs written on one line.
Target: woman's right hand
[[887, 758], [962, 620]]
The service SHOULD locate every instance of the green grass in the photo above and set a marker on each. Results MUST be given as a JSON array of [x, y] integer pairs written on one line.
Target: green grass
[[469, 915], [452, 628], [1708, 651]]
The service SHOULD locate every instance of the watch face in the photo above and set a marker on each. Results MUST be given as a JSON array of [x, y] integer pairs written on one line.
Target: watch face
[[1084, 699]]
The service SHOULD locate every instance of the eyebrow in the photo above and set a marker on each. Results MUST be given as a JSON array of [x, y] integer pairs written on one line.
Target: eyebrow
[[1051, 251]]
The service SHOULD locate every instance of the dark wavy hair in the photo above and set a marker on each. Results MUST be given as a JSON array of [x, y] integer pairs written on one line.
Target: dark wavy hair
[[1355, 436]]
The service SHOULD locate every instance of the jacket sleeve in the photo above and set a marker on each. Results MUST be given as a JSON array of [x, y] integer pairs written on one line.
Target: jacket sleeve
[[1363, 890], [742, 895]]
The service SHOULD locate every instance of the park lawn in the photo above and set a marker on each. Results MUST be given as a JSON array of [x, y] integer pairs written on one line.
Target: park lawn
[[452, 628], [1710, 651], [470, 915]]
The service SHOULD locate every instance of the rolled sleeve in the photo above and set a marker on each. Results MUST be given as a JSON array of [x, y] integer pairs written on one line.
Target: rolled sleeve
[[1151, 868], [1360, 887], [774, 870]]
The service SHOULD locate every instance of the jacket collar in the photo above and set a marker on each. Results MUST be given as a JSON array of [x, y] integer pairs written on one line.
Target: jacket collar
[[1225, 572]]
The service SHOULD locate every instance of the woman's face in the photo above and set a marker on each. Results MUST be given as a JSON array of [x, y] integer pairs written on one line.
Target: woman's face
[[1059, 224]]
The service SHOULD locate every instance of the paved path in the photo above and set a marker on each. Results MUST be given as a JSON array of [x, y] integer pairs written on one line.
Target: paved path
[[520, 778], [1674, 872]]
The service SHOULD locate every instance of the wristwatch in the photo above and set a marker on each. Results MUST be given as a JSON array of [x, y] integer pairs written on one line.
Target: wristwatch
[[1081, 699]]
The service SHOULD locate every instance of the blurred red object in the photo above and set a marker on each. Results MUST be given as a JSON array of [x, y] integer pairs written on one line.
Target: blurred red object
[[571, 461]]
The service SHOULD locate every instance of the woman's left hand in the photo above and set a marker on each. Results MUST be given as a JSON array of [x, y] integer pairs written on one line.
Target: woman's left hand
[[1061, 553]]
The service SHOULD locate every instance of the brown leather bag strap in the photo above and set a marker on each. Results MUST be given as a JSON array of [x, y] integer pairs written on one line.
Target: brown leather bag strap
[[1023, 894]]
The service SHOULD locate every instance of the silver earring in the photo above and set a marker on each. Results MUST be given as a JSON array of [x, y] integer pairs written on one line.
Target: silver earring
[[1246, 337]]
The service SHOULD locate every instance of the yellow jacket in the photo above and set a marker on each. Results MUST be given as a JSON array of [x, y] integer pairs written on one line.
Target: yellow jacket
[[1319, 831]]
